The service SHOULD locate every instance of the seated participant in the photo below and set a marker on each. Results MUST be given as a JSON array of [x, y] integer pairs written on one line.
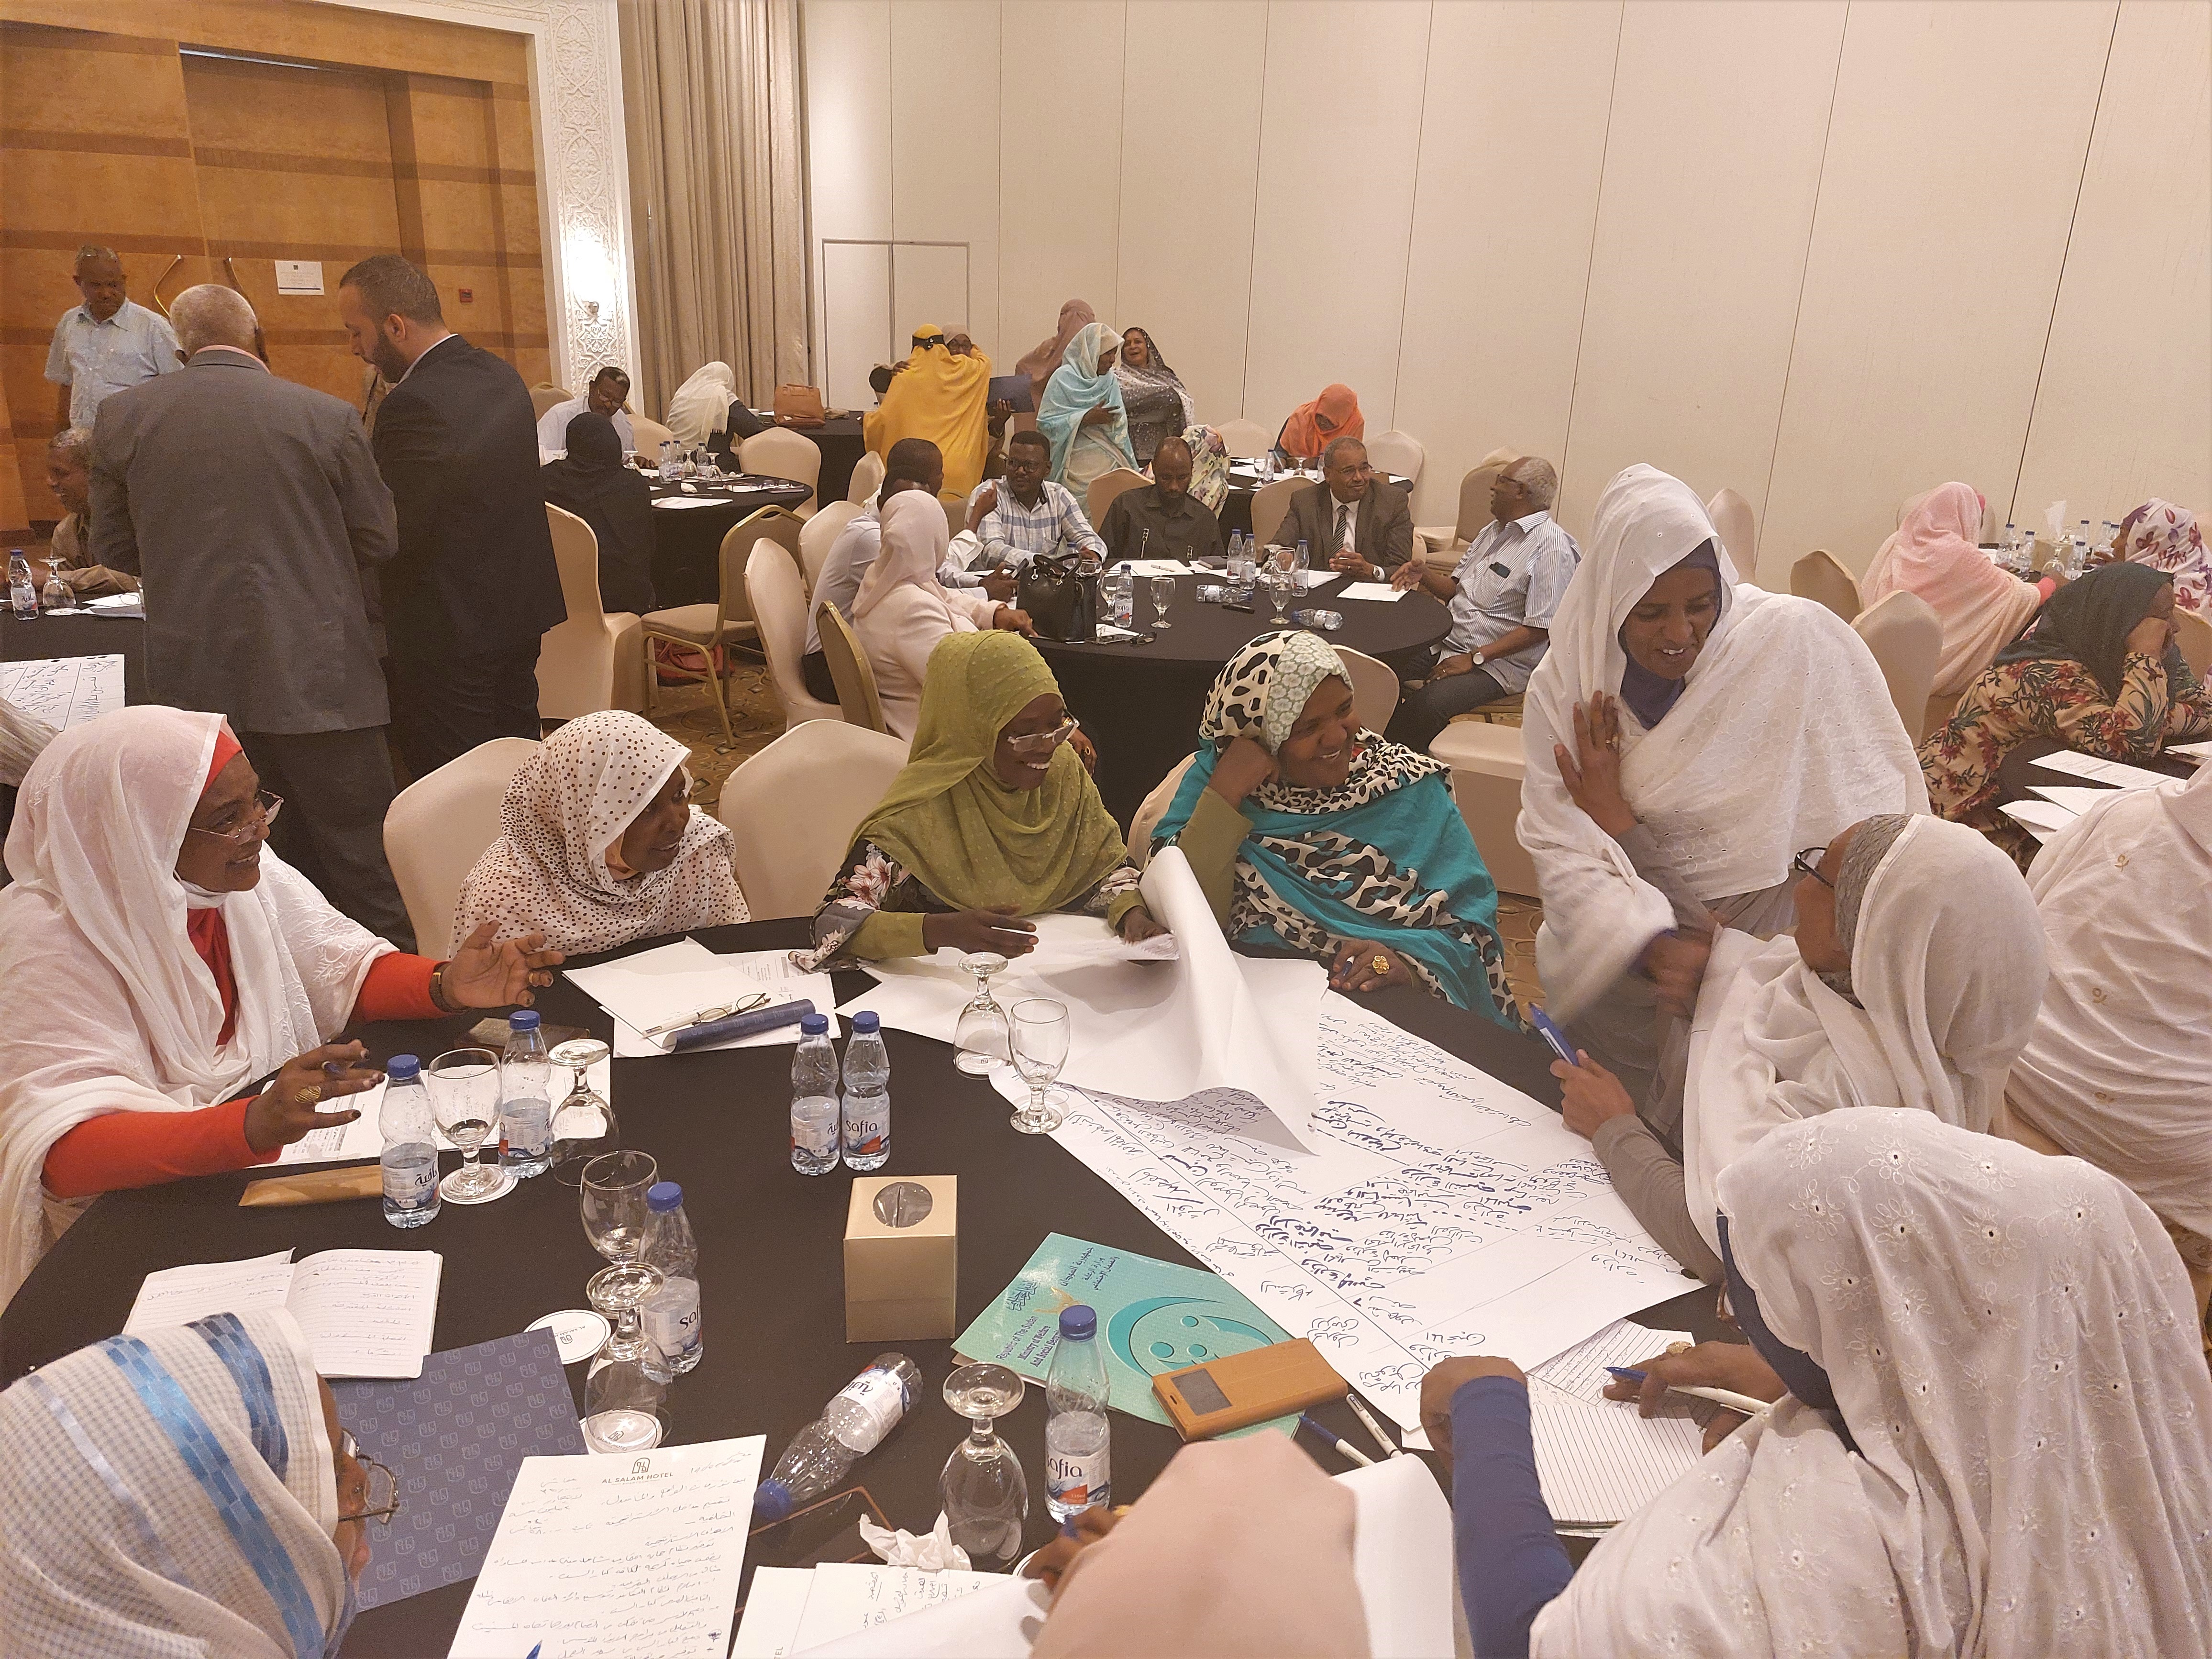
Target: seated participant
[[69, 475], [1082, 416], [599, 844], [2115, 1069], [1158, 406], [902, 609], [591, 482], [1027, 514], [994, 817], [2099, 673], [1352, 521], [938, 396], [2167, 538], [1163, 520], [1502, 594], [1983, 608], [1309, 834], [1209, 467], [177, 961], [607, 395], [1311, 428], [1997, 1437], [707, 410], [1913, 980], [188, 1491], [1684, 736]]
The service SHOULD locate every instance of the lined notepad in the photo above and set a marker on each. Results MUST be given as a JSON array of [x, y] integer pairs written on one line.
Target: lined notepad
[[366, 1312], [1598, 1460]]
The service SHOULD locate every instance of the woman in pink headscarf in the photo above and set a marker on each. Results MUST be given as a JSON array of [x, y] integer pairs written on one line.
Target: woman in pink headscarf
[[1933, 554], [1039, 363], [2167, 538]]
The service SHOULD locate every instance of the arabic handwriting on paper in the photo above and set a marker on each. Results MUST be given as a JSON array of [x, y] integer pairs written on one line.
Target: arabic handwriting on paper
[[65, 691]]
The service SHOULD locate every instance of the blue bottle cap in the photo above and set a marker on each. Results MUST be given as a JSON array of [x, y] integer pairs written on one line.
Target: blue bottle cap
[[771, 1500], [402, 1068], [865, 1023], [522, 1019], [1079, 1323], [663, 1196], [813, 1024]]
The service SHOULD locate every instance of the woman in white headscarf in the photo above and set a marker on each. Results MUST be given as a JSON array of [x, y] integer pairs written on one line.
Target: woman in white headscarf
[[707, 406], [185, 1491], [1993, 1435], [2118, 1068], [599, 844], [164, 963], [1685, 736], [902, 610]]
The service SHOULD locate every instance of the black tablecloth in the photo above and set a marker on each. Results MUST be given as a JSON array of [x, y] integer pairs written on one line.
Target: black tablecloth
[[687, 542], [80, 634], [1141, 703], [1237, 509], [771, 1244]]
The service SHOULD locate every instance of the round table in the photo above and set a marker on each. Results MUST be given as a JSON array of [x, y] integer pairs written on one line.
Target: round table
[[687, 541], [771, 1250], [1140, 701], [79, 634]]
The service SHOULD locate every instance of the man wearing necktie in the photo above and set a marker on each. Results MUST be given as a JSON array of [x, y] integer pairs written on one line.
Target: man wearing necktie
[[1360, 524]]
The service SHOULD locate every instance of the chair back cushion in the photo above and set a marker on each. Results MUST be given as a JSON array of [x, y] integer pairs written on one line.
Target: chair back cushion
[[1819, 576], [1244, 438], [1153, 808], [779, 453], [575, 659], [867, 478], [849, 668], [1104, 488], [821, 535], [791, 810], [779, 607], [437, 829], [1271, 504], [1907, 637], [1374, 688]]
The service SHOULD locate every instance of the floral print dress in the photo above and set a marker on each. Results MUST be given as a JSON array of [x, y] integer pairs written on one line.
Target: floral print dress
[[871, 885]]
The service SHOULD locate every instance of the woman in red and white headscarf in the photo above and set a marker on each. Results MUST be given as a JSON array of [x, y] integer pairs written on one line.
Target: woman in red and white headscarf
[[177, 961], [1982, 608], [2167, 538]]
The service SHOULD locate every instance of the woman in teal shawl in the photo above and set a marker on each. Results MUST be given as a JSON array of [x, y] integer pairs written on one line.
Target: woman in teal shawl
[[1308, 834], [1082, 415]]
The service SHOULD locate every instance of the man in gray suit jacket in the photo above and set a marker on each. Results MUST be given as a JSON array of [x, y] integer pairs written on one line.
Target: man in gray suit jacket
[[248, 506], [1350, 497]]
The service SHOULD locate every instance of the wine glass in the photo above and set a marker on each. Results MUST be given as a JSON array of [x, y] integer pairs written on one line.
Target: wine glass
[[615, 1185], [622, 1408], [1039, 1045], [985, 1494], [463, 1086], [980, 1039], [584, 1123], [1164, 592], [1275, 577]]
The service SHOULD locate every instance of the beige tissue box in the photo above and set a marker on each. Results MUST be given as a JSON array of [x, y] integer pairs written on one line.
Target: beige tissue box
[[901, 1258]]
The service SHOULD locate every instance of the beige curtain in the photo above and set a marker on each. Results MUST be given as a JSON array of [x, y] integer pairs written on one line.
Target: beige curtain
[[710, 94]]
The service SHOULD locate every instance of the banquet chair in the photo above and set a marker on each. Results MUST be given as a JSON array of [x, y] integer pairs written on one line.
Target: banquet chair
[[596, 658], [544, 396], [867, 478], [1487, 767], [851, 672], [706, 628], [1151, 810], [821, 535], [1818, 576], [779, 607], [650, 435], [1271, 505], [1907, 637], [1104, 488], [779, 453], [1396, 451], [2194, 636], [792, 810], [956, 514], [1446, 542], [438, 826], [1244, 438], [1739, 533], [1374, 688]]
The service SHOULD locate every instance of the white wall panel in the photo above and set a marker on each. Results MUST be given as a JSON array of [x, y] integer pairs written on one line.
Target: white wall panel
[[1712, 166], [944, 153], [848, 52], [1512, 142], [1339, 129], [1961, 130], [2124, 408], [1190, 155]]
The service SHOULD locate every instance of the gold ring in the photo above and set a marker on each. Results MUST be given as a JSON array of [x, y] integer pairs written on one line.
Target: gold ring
[[1678, 1347], [308, 1095], [1380, 963]]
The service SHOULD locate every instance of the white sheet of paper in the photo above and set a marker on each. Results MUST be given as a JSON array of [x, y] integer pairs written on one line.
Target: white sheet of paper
[[65, 691], [1108, 634], [654, 987], [2076, 798], [1600, 1463], [605, 1558], [1376, 593], [1147, 567], [178, 1296], [2199, 752], [999, 1619], [1581, 1370], [2042, 818], [366, 1312], [2116, 774], [773, 1606], [850, 1598], [672, 503], [1401, 1558], [119, 605]]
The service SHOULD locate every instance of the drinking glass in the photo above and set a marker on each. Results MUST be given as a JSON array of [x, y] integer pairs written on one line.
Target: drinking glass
[[1039, 1044], [1275, 575], [622, 1408], [980, 1039], [584, 1123], [985, 1494], [1164, 592], [463, 1086], [615, 1185]]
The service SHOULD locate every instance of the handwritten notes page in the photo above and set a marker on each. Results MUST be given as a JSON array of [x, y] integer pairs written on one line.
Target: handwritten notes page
[[607, 1557], [1444, 1212], [366, 1312], [675, 981], [64, 691], [1599, 1460]]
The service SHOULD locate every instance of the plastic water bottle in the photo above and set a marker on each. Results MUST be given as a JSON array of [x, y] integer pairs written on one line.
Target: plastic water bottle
[[1078, 1446], [814, 1099], [852, 1424], [1305, 558], [409, 1158], [867, 1095], [525, 1106], [675, 1335], [1119, 585], [21, 593], [671, 460]]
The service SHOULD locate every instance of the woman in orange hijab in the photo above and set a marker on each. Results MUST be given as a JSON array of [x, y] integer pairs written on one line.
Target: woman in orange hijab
[[1311, 428]]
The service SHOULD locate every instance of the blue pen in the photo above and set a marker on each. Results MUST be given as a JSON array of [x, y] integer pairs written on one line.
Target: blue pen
[[1627, 1373], [1728, 1397], [1552, 1035], [1336, 1440]]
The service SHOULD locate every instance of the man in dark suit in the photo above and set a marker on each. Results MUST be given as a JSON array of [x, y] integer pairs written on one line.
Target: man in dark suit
[[475, 583], [249, 506], [1351, 498]]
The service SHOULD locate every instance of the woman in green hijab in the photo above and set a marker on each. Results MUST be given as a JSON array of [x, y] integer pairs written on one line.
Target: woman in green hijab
[[994, 819]]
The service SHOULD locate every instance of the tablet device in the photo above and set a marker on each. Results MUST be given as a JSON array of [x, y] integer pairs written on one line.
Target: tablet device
[[1014, 389]]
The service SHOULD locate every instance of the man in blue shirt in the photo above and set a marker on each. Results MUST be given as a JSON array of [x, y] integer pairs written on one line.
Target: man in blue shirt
[[1503, 595], [108, 343]]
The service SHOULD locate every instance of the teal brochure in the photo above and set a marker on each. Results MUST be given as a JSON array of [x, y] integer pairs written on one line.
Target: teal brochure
[[1154, 1316]]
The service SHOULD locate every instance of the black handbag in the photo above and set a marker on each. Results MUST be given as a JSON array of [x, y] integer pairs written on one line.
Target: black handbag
[[1062, 602]]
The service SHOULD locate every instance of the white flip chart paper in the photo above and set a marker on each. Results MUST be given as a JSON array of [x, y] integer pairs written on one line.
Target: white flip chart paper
[[64, 691]]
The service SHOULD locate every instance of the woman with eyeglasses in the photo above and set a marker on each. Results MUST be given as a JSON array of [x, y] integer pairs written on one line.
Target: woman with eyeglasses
[[1913, 980], [188, 1491], [174, 985], [994, 819]]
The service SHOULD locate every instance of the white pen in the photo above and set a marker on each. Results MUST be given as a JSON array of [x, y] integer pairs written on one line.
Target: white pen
[[1390, 1448]]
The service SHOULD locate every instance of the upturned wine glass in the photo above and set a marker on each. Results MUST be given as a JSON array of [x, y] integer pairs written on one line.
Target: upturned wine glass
[[980, 1040], [622, 1408], [583, 1123], [464, 1085], [985, 1494], [1040, 1036], [615, 1185]]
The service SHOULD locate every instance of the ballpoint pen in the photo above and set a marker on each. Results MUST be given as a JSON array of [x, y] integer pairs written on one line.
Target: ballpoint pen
[[1729, 1397], [1390, 1448], [743, 1005], [1336, 1440]]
